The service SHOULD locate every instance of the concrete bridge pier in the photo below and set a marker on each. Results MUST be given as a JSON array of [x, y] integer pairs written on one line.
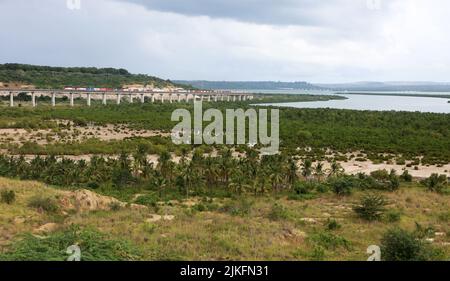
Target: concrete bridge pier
[[71, 99], [209, 98], [143, 98], [162, 98], [11, 99], [88, 100], [244, 98], [104, 98], [170, 98], [33, 99], [119, 98], [216, 98], [131, 98], [179, 98], [53, 99], [222, 98]]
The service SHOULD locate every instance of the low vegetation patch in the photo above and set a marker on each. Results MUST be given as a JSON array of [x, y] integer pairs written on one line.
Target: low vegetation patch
[[7, 196], [400, 245], [94, 246]]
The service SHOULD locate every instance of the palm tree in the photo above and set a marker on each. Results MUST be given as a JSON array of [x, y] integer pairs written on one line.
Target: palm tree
[[165, 165], [291, 172], [318, 171], [189, 177], [335, 169], [307, 168], [276, 179], [238, 182], [139, 160], [211, 172]]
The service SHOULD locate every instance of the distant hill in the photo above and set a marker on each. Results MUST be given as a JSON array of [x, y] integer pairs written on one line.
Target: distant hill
[[249, 85], [59, 77], [389, 86]]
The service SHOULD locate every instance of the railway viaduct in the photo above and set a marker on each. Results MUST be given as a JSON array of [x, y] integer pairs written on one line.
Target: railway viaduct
[[117, 96]]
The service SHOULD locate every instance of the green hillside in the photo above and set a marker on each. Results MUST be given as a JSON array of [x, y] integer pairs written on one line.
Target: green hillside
[[59, 77]]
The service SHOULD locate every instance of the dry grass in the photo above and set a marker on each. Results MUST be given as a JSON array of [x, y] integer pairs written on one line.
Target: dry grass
[[218, 235]]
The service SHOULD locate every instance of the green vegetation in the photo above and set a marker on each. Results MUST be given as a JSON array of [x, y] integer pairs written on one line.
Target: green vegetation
[[237, 227], [436, 182], [45, 77], [401, 245], [44, 204], [199, 175], [380, 135], [371, 207], [94, 246], [7, 196]]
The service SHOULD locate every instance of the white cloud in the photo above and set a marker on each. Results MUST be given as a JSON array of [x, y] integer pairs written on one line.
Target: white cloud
[[339, 40]]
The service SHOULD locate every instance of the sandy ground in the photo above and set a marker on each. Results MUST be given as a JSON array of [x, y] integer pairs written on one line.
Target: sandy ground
[[120, 132], [48, 136], [353, 167]]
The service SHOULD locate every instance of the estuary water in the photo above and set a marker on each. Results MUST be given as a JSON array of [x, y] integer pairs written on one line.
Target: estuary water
[[379, 102]]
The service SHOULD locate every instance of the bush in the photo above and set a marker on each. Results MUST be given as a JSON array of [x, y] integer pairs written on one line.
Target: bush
[[238, 207], [435, 182], [45, 204], [394, 181], [406, 176], [371, 207], [330, 241], [94, 246], [393, 216], [303, 187], [343, 185], [400, 245], [380, 174], [278, 212], [115, 206], [8, 196], [332, 224], [147, 200]]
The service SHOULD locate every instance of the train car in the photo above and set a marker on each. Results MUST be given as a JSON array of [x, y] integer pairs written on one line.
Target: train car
[[81, 89], [69, 88]]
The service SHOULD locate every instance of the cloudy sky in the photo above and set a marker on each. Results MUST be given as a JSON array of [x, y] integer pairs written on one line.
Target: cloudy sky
[[287, 40]]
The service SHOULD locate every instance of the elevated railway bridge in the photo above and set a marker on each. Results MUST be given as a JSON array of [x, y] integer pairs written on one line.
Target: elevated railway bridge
[[117, 96]]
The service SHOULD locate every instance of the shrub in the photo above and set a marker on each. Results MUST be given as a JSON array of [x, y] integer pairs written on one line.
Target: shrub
[[330, 241], [238, 207], [278, 212], [8, 196], [148, 200], [406, 176], [380, 174], [199, 207], [371, 207], [343, 185], [94, 246], [393, 216], [115, 206], [332, 224], [435, 182], [400, 245], [45, 204], [303, 187], [394, 181]]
